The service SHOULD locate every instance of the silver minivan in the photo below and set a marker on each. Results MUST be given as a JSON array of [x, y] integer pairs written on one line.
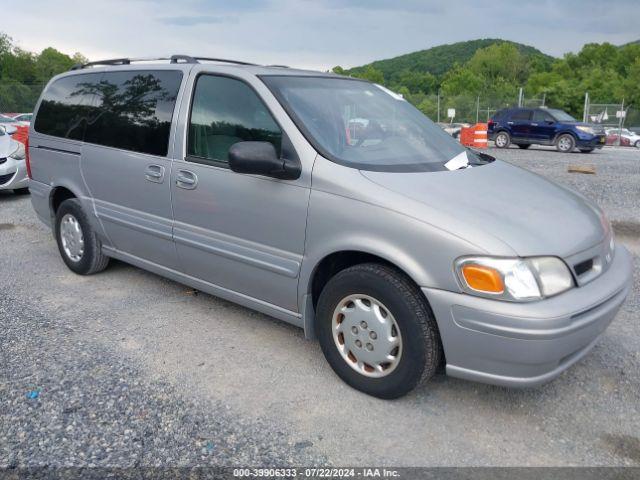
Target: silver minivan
[[332, 204]]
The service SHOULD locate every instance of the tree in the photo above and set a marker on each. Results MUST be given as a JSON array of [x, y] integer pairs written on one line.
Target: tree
[[371, 74]]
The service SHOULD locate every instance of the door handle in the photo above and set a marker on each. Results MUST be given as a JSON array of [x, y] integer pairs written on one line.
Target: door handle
[[534, 124], [154, 173], [509, 123], [186, 179]]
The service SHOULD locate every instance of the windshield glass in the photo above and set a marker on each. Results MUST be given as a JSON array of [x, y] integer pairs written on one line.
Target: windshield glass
[[364, 126], [561, 116]]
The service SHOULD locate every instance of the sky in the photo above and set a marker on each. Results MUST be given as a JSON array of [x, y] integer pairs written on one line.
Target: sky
[[316, 34]]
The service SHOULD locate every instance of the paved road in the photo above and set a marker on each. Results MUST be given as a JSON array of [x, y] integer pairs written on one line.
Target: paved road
[[132, 369]]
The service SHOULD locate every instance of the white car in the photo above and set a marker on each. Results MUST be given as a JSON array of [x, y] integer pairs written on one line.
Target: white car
[[23, 119], [13, 168], [633, 137], [6, 121]]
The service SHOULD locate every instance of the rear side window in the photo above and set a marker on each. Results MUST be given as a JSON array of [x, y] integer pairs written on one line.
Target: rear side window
[[66, 106], [226, 111], [135, 110], [521, 115]]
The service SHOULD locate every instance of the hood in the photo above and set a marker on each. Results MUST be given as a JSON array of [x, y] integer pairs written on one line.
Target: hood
[[532, 215]]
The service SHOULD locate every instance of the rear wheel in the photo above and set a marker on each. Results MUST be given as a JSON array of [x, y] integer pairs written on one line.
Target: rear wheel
[[77, 242], [565, 143], [637, 144], [524, 146], [502, 140], [377, 331]]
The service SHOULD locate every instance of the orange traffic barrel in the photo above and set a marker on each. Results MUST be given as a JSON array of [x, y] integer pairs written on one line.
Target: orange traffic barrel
[[475, 136], [480, 135]]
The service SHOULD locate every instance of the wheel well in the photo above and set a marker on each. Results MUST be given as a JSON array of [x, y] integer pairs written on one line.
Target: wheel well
[[59, 195], [567, 132], [336, 262]]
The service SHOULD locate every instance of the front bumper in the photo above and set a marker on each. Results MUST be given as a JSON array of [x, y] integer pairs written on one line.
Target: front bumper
[[591, 141], [527, 344], [13, 174]]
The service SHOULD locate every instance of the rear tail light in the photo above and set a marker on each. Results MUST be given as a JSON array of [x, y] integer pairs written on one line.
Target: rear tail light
[[490, 123], [26, 157]]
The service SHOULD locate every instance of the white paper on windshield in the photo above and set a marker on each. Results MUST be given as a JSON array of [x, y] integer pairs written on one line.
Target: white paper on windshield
[[458, 162], [395, 95]]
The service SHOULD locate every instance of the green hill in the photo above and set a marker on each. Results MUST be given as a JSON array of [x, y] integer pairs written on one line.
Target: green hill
[[439, 60]]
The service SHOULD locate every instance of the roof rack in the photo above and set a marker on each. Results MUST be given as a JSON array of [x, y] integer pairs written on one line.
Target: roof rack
[[171, 59]]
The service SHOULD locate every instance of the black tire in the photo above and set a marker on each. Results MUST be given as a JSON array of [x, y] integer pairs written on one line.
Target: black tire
[[565, 143], [586, 150], [92, 259], [421, 347], [502, 139], [524, 146], [637, 144], [21, 191]]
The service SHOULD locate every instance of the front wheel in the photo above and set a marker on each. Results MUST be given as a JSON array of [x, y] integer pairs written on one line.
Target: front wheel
[[377, 330], [502, 140], [637, 144], [78, 243], [565, 143]]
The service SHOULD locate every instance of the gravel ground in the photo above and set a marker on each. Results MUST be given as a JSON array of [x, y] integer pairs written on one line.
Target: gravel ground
[[70, 402], [615, 186], [129, 368]]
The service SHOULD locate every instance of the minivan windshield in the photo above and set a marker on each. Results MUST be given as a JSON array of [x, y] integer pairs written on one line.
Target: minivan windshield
[[363, 125], [561, 116]]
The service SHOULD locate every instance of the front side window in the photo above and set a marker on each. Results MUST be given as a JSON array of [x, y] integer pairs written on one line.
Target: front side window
[[362, 125], [134, 110], [227, 111], [67, 106], [562, 116], [540, 116]]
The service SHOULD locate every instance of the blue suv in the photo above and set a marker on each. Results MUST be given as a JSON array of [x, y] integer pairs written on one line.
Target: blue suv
[[543, 126]]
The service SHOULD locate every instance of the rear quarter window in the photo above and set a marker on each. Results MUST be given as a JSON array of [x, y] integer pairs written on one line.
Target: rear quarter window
[[66, 107]]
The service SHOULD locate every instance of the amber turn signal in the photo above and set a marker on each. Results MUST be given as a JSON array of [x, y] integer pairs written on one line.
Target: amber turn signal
[[483, 279]]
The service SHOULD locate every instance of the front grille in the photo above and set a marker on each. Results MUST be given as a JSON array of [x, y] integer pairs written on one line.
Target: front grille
[[583, 267], [5, 178]]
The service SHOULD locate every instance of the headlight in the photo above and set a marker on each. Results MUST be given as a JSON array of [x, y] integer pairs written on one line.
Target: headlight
[[513, 279], [585, 129], [19, 152]]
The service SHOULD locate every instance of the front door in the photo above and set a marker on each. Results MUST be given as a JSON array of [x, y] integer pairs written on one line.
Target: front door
[[244, 233], [125, 163], [543, 127]]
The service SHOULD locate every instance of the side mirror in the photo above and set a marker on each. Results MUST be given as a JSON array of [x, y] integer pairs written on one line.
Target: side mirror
[[260, 158]]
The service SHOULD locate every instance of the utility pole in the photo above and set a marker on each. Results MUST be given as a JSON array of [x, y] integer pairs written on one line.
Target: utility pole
[[585, 115], [620, 121], [478, 109], [520, 98], [438, 106]]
